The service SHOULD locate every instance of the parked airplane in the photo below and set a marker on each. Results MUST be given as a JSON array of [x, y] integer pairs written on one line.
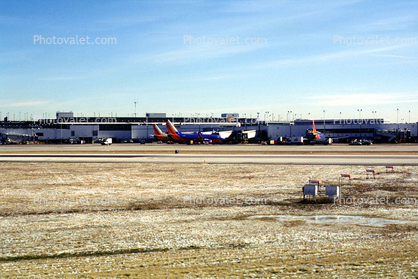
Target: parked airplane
[[175, 135], [319, 137], [210, 137], [159, 135], [215, 137]]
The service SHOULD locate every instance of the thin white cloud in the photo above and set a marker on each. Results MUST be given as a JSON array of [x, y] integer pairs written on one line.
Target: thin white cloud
[[208, 78], [61, 78], [395, 56], [125, 21], [202, 52], [394, 23], [22, 103], [326, 57]]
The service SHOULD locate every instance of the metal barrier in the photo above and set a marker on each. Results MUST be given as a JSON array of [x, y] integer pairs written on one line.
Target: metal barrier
[[371, 171], [344, 176]]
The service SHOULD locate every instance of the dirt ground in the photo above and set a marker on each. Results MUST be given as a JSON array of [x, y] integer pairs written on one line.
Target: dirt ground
[[60, 220]]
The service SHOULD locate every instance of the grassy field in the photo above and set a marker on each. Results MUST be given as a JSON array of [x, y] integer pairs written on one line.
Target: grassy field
[[110, 220]]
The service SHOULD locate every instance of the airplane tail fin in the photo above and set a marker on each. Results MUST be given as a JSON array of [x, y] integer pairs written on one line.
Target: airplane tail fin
[[157, 130], [171, 128], [313, 127]]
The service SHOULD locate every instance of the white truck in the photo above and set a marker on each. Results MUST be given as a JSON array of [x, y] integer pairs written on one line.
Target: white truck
[[107, 141]]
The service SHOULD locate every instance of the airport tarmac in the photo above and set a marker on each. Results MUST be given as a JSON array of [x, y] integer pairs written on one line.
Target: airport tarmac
[[155, 148], [375, 160], [396, 155]]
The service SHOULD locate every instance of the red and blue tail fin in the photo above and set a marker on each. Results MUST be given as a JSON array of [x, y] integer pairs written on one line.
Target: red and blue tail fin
[[171, 129], [157, 131]]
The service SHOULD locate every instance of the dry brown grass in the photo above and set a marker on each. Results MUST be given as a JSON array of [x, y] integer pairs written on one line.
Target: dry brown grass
[[161, 220]]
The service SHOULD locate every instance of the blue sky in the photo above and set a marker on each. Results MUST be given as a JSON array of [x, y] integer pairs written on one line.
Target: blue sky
[[307, 59]]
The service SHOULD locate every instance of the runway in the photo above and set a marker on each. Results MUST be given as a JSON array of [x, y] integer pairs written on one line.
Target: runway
[[337, 159], [336, 154]]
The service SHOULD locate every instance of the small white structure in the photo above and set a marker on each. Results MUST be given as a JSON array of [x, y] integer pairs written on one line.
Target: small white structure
[[332, 191], [311, 190]]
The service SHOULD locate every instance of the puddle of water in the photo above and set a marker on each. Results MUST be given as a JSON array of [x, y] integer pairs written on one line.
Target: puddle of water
[[335, 219]]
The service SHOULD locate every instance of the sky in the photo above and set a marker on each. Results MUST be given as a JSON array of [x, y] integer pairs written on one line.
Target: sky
[[278, 59]]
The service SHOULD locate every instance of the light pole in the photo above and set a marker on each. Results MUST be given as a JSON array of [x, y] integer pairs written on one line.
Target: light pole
[[258, 120], [324, 120], [409, 121], [359, 114], [397, 115], [245, 119], [289, 111]]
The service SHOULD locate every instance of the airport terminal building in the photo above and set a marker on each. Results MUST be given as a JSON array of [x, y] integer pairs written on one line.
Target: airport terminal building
[[66, 128]]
